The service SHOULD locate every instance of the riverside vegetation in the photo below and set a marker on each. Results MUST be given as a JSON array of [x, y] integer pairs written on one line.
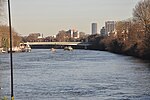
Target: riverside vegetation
[[132, 36]]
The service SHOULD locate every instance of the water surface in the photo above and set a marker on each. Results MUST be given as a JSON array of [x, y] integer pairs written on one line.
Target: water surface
[[77, 75]]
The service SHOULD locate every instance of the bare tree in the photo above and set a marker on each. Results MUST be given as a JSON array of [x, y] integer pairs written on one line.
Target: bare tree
[[141, 12], [4, 37], [61, 36]]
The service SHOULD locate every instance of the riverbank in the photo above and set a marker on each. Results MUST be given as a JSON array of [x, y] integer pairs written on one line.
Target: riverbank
[[122, 50]]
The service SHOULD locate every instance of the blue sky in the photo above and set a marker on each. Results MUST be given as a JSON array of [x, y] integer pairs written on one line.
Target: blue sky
[[50, 16]]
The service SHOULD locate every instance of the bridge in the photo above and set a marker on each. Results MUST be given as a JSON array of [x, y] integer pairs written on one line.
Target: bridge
[[58, 45]]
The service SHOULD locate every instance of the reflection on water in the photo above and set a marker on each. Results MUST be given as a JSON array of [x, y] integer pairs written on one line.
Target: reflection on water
[[77, 75]]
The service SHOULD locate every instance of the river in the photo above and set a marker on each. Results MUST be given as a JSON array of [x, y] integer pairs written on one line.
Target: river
[[75, 75]]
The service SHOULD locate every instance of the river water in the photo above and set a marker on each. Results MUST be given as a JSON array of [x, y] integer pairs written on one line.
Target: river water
[[75, 75]]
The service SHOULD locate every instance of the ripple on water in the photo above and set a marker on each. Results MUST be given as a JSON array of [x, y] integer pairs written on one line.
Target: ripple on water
[[77, 75]]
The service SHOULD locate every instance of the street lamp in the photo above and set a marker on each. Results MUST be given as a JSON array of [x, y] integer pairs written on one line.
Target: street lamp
[[11, 58]]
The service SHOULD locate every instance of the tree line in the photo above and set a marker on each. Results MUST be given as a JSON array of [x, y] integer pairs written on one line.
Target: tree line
[[5, 37], [4, 29]]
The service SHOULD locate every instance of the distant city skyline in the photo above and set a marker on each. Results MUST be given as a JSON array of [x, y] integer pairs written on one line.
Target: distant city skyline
[[49, 17]]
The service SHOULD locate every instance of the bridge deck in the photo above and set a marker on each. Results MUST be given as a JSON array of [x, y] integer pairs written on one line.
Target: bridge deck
[[59, 43]]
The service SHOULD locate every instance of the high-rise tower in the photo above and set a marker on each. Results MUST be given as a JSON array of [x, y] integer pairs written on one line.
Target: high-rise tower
[[109, 26], [94, 28]]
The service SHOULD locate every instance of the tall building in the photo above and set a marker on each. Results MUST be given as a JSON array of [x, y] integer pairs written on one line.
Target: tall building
[[109, 27], [94, 28], [102, 32], [72, 33]]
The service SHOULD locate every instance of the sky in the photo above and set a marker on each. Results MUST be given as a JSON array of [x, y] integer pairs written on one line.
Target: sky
[[51, 16]]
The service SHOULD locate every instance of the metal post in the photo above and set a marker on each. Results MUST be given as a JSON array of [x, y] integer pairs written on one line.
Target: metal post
[[11, 58]]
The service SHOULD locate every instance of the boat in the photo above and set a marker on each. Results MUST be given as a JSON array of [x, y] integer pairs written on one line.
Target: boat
[[2, 50], [69, 48], [14, 49], [25, 47], [53, 50]]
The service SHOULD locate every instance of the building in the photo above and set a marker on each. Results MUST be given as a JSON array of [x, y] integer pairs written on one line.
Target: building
[[76, 35], [109, 27], [72, 34], [102, 32], [94, 28]]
